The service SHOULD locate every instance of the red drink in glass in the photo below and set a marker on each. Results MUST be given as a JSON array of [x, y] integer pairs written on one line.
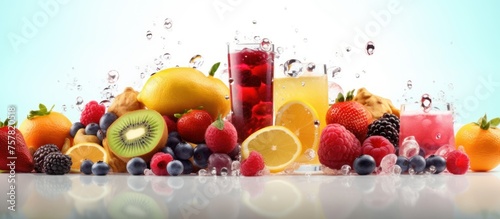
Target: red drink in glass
[[251, 69]]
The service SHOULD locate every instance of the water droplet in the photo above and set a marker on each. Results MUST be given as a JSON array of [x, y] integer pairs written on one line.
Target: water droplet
[[79, 100], [143, 75], [256, 38], [149, 35], [213, 171], [296, 30], [266, 45], [64, 107], [311, 66], [166, 56], [202, 172], [254, 22], [113, 76], [293, 68], [196, 61], [105, 103], [450, 86], [426, 102], [432, 169], [280, 50], [310, 154], [303, 83], [370, 47], [305, 40], [79, 87], [235, 165], [224, 171], [231, 80], [226, 97], [396, 170], [179, 42], [409, 84], [168, 23], [348, 49], [357, 75], [411, 171], [441, 95], [316, 123], [345, 169], [438, 136]]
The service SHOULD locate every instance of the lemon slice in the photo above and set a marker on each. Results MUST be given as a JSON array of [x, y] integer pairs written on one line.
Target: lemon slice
[[88, 150], [278, 146], [279, 199], [87, 193], [303, 120]]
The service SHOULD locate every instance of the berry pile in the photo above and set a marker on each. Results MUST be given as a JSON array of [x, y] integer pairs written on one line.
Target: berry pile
[[49, 159]]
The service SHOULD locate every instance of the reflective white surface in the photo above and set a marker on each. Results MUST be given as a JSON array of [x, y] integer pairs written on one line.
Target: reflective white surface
[[474, 195]]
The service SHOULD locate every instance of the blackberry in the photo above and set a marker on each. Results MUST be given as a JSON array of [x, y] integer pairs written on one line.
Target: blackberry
[[40, 154], [386, 126], [57, 163]]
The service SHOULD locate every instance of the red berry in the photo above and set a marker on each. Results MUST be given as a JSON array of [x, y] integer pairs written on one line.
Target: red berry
[[159, 163], [193, 124], [171, 123], [253, 164], [92, 113], [457, 162], [263, 71], [338, 146], [221, 136], [377, 147]]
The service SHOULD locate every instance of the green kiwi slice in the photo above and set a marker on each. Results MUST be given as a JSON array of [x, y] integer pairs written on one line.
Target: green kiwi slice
[[139, 133], [134, 205]]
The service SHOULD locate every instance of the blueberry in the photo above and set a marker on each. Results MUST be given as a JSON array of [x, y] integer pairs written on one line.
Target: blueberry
[[168, 150], [92, 128], [417, 162], [404, 163], [174, 134], [364, 164], [107, 119], [201, 154], [188, 166], [235, 153], [75, 127], [437, 161], [175, 168], [101, 134], [86, 167], [172, 142], [100, 168], [136, 166], [183, 151]]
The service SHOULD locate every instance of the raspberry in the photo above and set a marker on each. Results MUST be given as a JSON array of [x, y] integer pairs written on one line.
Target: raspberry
[[377, 147], [457, 162], [253, 164], [159, 163], [92, 113], [338, 146]]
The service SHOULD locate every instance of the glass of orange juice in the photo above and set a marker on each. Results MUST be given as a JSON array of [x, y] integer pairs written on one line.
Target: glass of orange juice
[[300, 98]]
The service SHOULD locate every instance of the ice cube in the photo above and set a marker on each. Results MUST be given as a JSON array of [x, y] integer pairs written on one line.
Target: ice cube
[[409, 147], [387, 163]]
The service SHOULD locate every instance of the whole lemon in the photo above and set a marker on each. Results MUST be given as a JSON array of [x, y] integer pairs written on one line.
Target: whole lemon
[[481, 141], [177, 89]]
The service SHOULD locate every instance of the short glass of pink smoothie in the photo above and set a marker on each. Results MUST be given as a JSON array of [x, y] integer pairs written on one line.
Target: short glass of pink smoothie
[[432, 128]]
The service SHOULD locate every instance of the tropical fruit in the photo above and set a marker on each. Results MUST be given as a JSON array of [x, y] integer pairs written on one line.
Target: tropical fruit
[[139, 133]]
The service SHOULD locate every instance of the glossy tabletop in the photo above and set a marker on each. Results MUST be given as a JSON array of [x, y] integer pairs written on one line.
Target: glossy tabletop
[[473, 195]]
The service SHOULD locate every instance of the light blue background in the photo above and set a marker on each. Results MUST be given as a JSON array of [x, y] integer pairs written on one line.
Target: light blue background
[[444, 47]]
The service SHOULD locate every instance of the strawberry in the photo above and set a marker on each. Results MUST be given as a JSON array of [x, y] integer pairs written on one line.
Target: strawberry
[[377, 147], [13, 146], [221, 136], [338, 146], [351, 114], [193, 124]]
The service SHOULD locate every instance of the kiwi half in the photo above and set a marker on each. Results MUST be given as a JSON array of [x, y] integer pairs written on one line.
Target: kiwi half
[[139, 133], [134, 205]]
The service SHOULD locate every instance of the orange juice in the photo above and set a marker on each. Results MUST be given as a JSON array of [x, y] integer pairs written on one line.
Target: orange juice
[[312, 90]]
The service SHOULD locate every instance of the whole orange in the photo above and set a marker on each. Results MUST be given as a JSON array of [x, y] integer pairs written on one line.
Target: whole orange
[[45, 127], [481, 141]]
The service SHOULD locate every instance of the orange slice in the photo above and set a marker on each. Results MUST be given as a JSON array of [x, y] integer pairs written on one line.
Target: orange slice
[[88, 150], [278, 146], [303, 121]]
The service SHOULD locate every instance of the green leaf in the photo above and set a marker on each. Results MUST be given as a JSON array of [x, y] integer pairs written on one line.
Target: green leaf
[[43, 108], [340, 98], [41, 112], [495, 122], [214, 69], [219, 123]]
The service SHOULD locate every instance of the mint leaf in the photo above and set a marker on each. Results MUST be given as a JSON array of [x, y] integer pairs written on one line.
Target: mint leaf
[[214, 69]]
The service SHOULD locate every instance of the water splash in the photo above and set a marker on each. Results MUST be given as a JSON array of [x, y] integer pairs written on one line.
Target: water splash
[[113, 76], [293, 68], [266, 45], [167, 23], [196, 61]]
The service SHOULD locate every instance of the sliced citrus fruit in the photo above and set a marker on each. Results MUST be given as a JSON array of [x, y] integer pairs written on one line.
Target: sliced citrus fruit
[[302, 120], [277, 144], [280, 199], [88, 150]]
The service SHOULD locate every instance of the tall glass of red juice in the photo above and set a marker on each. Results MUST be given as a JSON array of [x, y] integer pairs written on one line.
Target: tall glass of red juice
[[251, 71]]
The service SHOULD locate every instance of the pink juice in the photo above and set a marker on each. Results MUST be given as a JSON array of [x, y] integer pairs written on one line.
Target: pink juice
[[431, 130], [250, 80]]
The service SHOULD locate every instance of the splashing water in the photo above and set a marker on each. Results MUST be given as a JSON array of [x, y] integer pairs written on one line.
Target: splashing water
[[113, 76], [196, 61], [293, 68], [168, 23]]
